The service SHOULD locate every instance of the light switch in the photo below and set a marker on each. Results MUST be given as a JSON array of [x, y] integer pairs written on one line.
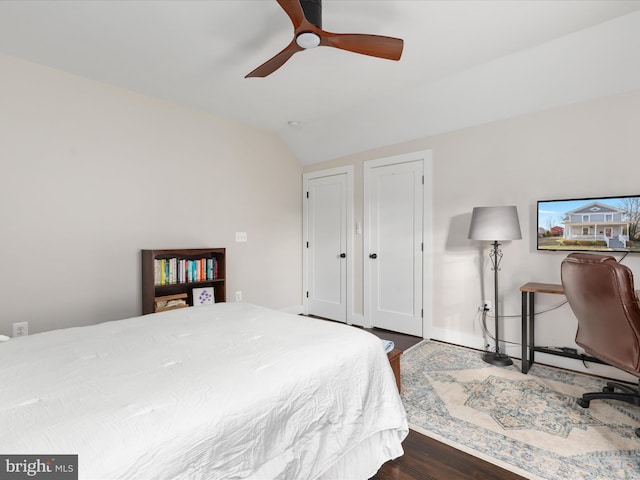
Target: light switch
[[241, 236]]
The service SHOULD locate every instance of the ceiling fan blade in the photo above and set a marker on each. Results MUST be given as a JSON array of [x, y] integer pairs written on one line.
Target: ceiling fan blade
[[309, 33], [294, 10], [373, 45], [276, 61]]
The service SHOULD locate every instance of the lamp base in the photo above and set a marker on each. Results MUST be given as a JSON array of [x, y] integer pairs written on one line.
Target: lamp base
[[497, 359]]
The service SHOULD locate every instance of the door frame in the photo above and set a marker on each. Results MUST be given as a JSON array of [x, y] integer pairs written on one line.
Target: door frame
[[427, 233], [348, 171]]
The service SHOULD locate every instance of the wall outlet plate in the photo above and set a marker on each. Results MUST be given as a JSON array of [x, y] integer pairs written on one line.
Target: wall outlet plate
[[20, 329], [238, 296]]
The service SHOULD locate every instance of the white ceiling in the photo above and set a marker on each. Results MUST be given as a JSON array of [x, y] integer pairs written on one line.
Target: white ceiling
[[464, 62]]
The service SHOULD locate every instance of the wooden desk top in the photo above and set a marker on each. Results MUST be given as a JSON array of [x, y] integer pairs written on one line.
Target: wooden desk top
[[548, 288], [542, 288]]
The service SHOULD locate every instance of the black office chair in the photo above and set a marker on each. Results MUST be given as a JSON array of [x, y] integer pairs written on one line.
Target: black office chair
[[602, 296]]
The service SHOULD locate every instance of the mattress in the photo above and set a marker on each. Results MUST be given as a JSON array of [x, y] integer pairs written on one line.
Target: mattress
[[223, 391]]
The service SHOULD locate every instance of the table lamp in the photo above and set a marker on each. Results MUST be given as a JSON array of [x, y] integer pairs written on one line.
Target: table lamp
[[495, 224]]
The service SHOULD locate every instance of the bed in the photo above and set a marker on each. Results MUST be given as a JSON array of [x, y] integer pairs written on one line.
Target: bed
[[224, 391]]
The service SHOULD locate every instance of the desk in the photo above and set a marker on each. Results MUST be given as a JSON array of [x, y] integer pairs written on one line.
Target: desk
[[528, 325]]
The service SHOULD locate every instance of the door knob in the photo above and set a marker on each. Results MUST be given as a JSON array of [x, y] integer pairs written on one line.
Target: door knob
[[343, 255], [373, 255]]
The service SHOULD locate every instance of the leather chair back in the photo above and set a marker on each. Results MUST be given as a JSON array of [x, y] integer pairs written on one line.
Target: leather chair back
[[601, 294]]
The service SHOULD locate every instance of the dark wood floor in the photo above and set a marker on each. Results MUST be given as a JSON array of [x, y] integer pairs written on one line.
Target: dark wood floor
[[428, 459]]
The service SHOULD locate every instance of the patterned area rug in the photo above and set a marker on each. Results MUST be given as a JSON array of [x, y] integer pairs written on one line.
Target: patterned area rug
[[529, 424]]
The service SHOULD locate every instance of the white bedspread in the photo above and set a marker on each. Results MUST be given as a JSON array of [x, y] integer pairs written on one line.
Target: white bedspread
[[226, 391]]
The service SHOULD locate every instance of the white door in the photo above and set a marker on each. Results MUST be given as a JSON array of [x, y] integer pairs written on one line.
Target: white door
[[327, 229], [394, 246]]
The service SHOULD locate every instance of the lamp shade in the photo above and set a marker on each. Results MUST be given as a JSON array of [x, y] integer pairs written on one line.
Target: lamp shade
[[495, 223]]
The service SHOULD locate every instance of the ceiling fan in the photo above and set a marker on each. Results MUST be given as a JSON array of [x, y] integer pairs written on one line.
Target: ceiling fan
[[306, 16]]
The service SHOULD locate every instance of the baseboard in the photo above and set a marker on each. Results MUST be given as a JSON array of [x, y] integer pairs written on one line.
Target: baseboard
[[456, 338], [296, 309], [515, 351], [357, 319]]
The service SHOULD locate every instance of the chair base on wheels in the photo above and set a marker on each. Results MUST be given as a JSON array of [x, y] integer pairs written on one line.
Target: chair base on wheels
[[626, 394]]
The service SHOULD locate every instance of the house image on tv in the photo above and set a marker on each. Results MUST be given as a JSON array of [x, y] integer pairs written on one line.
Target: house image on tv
[[597, 221]]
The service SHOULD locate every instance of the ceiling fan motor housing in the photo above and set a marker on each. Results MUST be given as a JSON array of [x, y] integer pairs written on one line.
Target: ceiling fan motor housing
[[312, 11]]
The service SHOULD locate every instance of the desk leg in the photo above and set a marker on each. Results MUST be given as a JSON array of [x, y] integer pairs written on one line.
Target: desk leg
[[532, 321], [524, 357]]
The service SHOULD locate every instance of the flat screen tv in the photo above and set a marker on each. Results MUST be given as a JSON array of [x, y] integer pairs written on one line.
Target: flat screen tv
[[600, 224]]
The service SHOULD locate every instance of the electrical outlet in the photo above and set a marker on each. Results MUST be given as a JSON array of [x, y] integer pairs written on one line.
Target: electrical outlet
[[238, 296], [488, 305], [20, 329]]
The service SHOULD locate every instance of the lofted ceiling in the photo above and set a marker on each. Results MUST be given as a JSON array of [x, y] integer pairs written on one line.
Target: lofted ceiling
[[465, 62]]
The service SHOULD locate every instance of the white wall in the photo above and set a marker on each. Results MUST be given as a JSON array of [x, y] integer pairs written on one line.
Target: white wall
[[582, 150], [90, 174]]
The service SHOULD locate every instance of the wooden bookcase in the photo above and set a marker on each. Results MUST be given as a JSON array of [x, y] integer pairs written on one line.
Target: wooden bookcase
[[152, 291]]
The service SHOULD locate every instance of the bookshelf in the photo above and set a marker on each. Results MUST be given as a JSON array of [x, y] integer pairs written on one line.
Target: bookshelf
[[169, 277]]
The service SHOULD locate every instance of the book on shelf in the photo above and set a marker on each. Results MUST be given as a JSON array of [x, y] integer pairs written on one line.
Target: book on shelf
[[168, 271]]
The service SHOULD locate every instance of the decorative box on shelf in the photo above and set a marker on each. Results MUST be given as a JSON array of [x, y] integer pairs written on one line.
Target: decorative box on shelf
[[170, 302]]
